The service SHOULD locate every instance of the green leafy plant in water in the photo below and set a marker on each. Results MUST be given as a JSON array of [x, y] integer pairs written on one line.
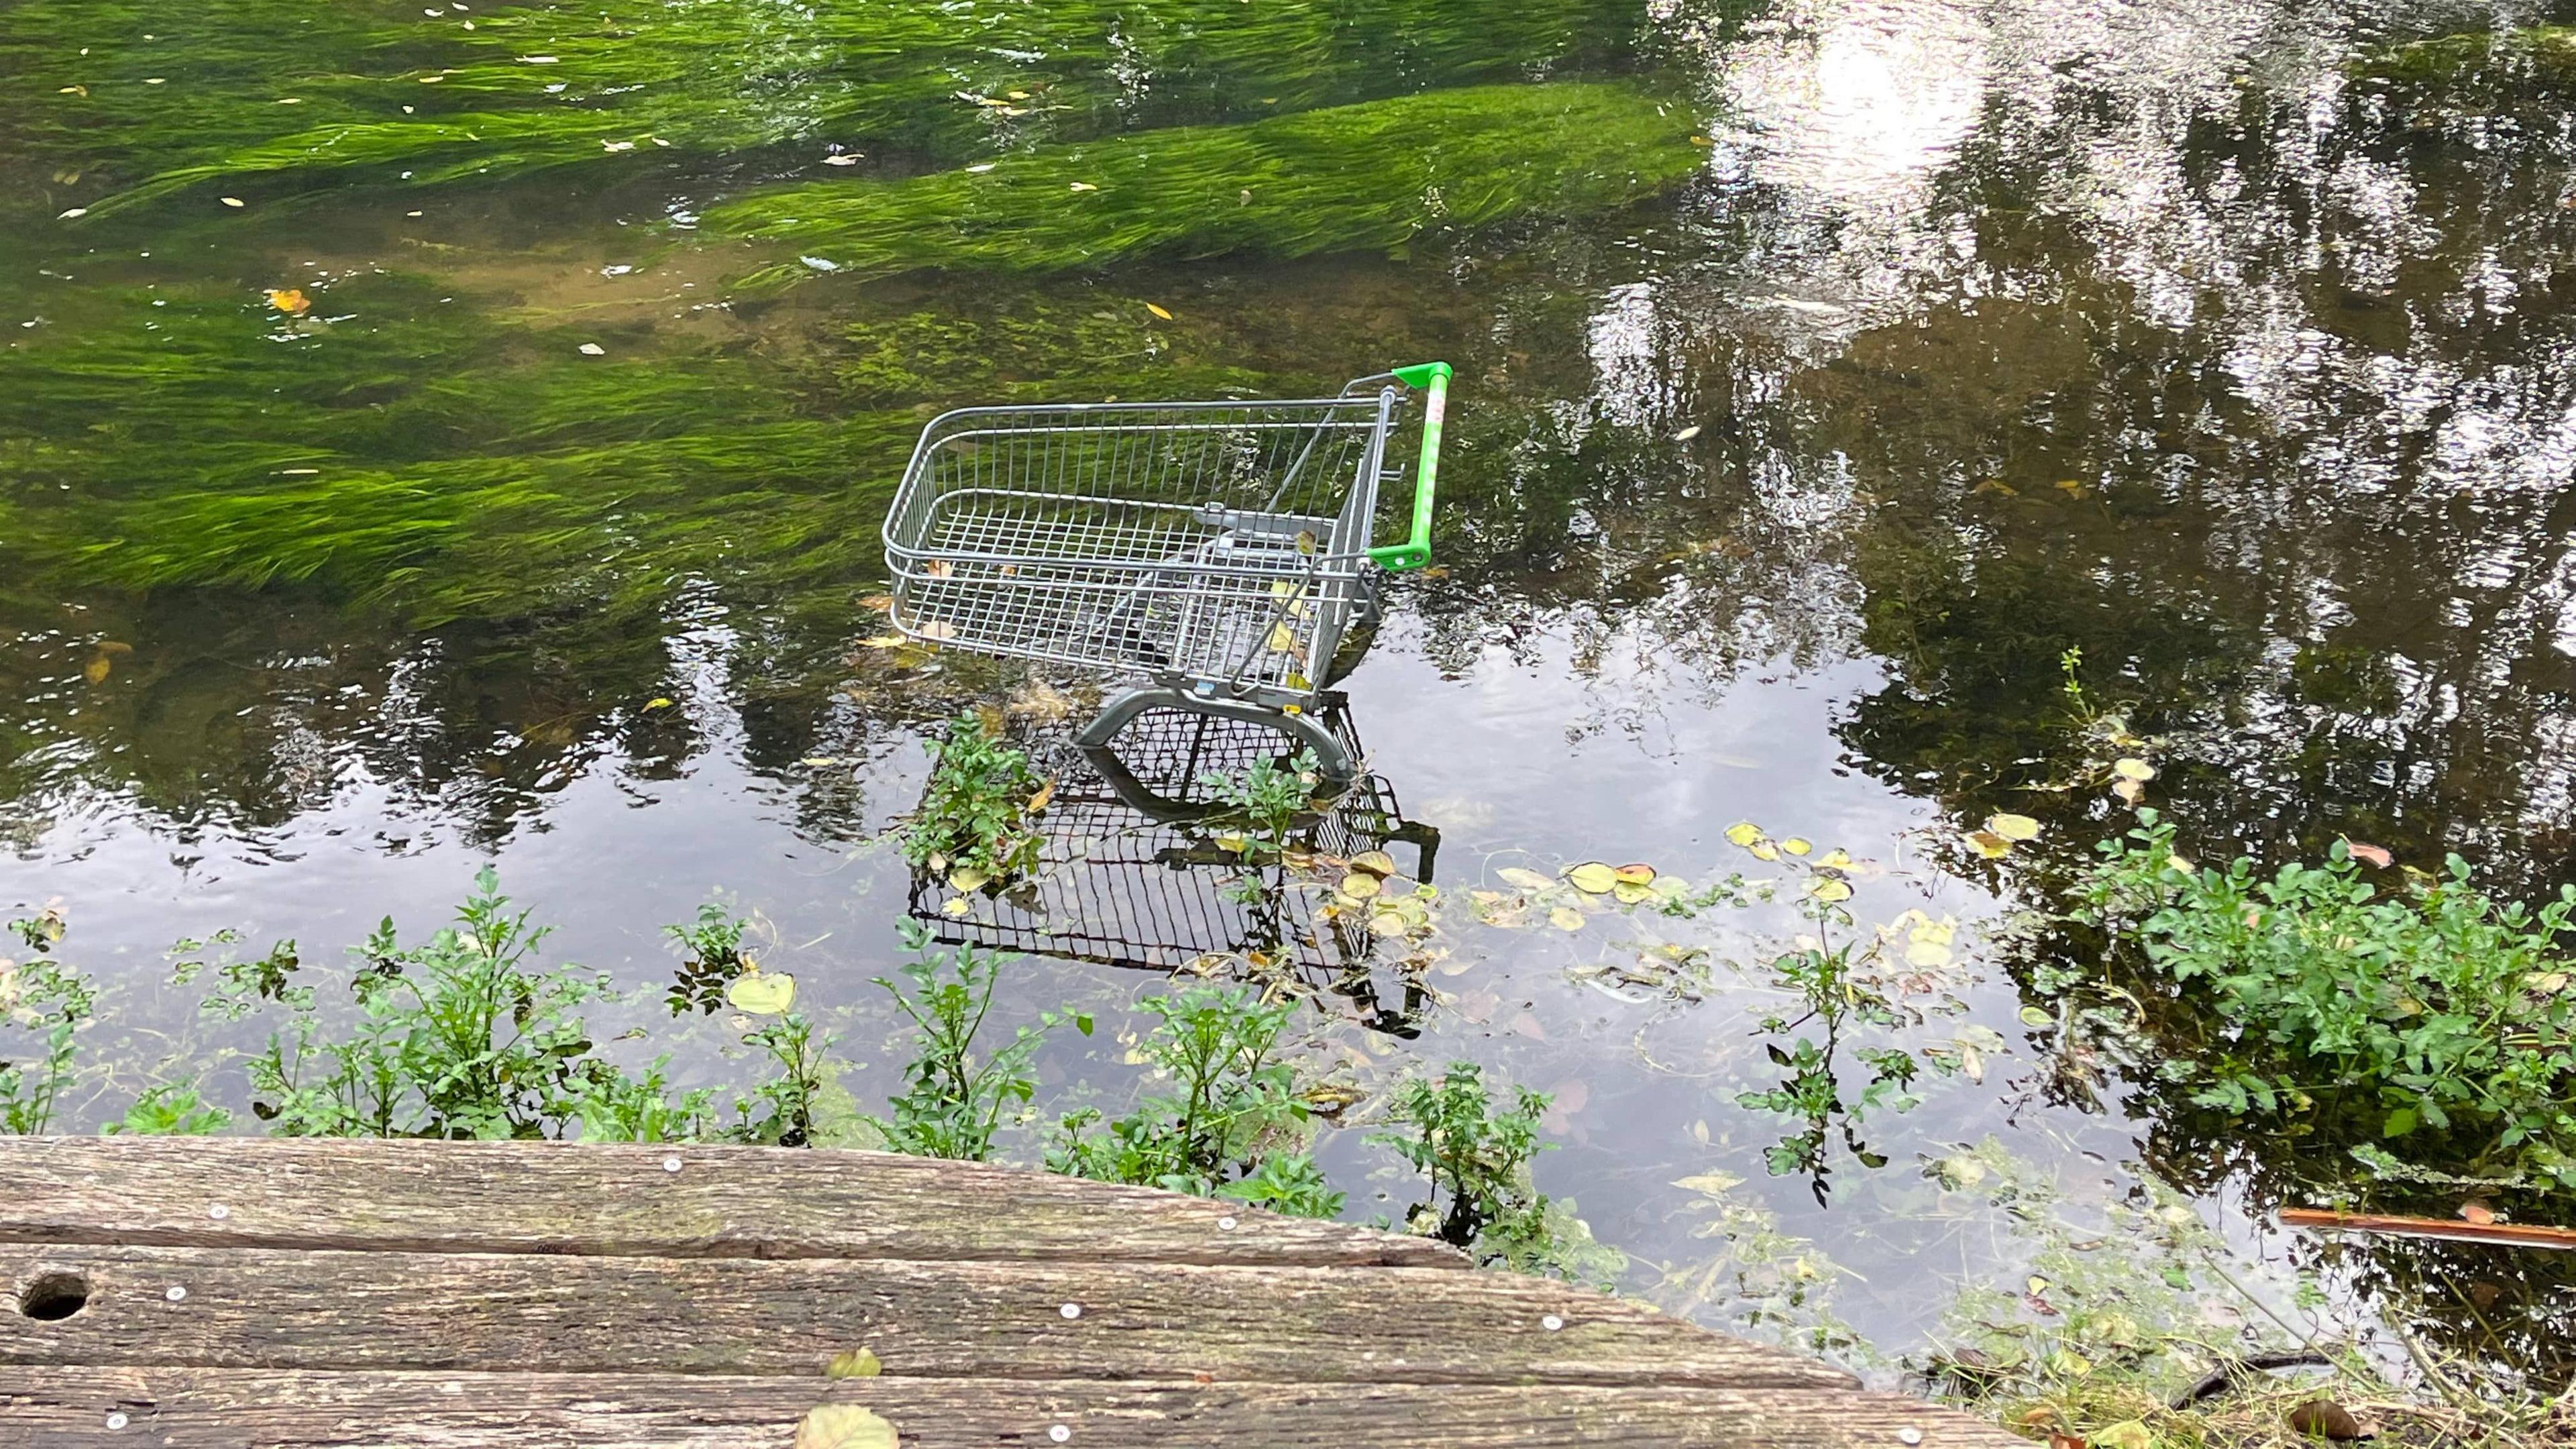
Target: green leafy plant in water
[[612, 1106], [952, 1105], [1229, 1125], [711, 956], [461, 1036], [976, 824], [53, 1002], [1366, 176], [1477, 1159], [2430, 1006], [1265, 798], [782, 1110], [173, 1109]]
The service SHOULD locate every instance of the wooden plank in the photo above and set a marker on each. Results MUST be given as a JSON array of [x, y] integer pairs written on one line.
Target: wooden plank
[[265, 1308], [68, 1408], [554, 1197]]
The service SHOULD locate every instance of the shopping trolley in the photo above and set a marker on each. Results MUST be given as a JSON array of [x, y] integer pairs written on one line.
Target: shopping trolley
[[1219, 549]]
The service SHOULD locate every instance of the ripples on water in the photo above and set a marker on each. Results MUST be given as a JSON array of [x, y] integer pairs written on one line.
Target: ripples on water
[[1891, 351]]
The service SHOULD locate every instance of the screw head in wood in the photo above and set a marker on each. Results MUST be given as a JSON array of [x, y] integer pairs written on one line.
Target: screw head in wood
[[1225, 1225], [1059, 1432], [218, 1211], [670, 1164], [1909, 1435], [1551, 1323], [176, 1294], [117, 1421], [1071, 1310]]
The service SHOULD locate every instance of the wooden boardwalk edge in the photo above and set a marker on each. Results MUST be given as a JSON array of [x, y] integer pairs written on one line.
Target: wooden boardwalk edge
[[184, 1408]]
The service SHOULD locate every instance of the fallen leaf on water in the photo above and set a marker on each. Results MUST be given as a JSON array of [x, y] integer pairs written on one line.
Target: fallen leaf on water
[[884, 641], [2036, 1016], [957, 906], [2477, 1212], [1830, 889], [2133, 770], [967, 878], [844, 1426], [1636, 873], [1593, 878], [2375, 854], [1566, 918], [1989, 844], [1631, 895], [1744, 832], [761, 993], [232, 201], [651, 705], [1763, 850], [1387, 923], [856, 1363], [1528, 880], [95, 671], [2325, 1416], [1360, 886], [1686, 434], [2013, 827], [1376, 862], [1158, 311], [290, 300], [1044, 797], [2129, 791], [1796, 846], [2070, 487]]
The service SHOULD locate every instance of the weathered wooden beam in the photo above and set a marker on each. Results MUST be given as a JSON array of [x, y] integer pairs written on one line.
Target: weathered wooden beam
[[550, 1197], [195, 1408], [267, 1308]]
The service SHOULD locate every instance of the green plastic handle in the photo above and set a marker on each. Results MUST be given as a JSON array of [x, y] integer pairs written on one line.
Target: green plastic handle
[[1415, 551]]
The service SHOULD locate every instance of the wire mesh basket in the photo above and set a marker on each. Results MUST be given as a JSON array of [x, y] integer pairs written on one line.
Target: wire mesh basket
[[1219, 548]]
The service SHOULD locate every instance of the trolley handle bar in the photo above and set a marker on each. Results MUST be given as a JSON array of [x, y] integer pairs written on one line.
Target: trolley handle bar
[[1415, 551]]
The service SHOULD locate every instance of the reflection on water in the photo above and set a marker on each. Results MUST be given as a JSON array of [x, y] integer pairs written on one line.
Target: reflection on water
[[2224, 344]]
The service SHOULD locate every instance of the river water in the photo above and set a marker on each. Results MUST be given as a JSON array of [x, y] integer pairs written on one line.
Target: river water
[[441, 468]]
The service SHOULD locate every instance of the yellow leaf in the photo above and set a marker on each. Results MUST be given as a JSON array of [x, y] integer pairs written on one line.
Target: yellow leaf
[[1744, 832], [1838, 858], [2133, 770], [2129, 791], [1043, 798], [1360, 886], [857, 1363], [1795, 846], [232, 201], [1566, 918], [1830, 889], [1630, 895], [818, 762], [1636, 875], [651, 705], [879, 603], [1927, 954], [2013, 827], [1528, 880], [1387, 923], [1764, 850], [968, 878], [761, 993], [1593, 878], [290, 300], [1282, 638], [1157, 311], [884, 641], [1376, 862], [95, 671], [957, 906], [1989, 844], [844, 1426]]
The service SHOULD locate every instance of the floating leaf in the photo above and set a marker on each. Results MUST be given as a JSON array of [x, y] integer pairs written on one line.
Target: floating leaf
[[2129, 791], [1989, 844], [1158, 311], [1744, 832], [651, 705], [818, 762], [1044, 797], [1387, 923], [1376, 862], [1627, 894], [96, 670], [2477, 1212], [1686, 434], [956, 906], [290, 300], [234, 202], [844, 1426], [1927, 954], [1763, 850], [968, 878], [1360, 886], [761, 993], [1566, 918], [2138, 770], [2013, 827], [2037, 1016], [2375, 854], [856, 1363], [1528, 880], [1830, 889], [1593, 878], [1636, 874], [1796, 846]]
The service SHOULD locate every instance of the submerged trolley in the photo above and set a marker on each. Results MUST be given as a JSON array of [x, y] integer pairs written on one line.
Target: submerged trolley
[[1218, 548]]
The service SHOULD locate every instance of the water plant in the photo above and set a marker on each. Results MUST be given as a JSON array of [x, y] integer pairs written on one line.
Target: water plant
[[1477, 1163], [1264, 798], [1374, 175], [52, 1002], [711, 958], [2427, 1006], [976, 823], [1230, 1122], [952, 1105]]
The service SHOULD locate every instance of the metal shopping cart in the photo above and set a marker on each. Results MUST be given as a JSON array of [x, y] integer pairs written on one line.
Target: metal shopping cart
[[1220, 549]]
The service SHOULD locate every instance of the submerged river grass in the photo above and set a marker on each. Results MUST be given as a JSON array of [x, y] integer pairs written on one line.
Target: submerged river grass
[[432, 434]]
